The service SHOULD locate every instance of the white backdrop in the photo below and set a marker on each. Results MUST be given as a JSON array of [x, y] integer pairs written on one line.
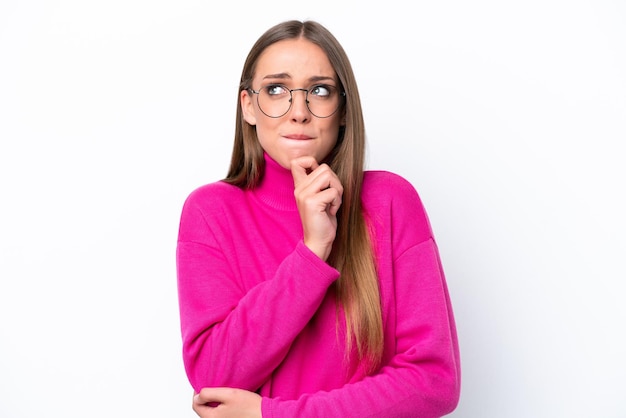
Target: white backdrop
[[508, 117]]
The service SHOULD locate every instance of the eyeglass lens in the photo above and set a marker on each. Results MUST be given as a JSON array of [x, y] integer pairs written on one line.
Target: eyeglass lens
[[276, 100]]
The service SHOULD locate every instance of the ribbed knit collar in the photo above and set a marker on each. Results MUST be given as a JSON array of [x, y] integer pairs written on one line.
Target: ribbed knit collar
[[276, 187]]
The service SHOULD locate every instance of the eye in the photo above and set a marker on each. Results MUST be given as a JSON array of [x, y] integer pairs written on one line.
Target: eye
[[321, 91], [276, 90]]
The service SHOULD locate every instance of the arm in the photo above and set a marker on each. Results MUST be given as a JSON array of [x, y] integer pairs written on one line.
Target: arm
[[237, 338], [233, 336], [421, 373], [423, 377]]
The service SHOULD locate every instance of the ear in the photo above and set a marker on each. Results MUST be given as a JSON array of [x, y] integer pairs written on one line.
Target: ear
[[247, 107]]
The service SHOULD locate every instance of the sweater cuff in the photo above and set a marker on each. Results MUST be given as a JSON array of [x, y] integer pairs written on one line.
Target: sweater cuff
[[266, 408], [322, 266]]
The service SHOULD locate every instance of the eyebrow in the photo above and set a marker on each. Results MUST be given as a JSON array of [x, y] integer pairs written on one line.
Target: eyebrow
[[284, 76]]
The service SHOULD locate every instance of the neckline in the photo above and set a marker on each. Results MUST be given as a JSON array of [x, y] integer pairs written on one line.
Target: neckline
[[276, 186]]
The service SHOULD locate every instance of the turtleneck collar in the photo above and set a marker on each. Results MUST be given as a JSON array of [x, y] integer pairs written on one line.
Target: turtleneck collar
[[276, 187]]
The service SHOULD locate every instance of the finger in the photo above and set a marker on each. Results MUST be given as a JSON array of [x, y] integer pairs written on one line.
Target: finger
[[327, 179], [332, 198], [301, 167], [217, 394], [322, 178], [203, 408]]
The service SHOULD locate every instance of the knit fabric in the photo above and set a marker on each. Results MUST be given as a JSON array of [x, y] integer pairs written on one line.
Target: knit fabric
[[257, 311]]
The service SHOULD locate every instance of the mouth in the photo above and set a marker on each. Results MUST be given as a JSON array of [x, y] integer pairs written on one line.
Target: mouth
[[298, 137]]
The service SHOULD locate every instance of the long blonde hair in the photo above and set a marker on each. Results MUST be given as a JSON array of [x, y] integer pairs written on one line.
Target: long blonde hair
[[352, 254]]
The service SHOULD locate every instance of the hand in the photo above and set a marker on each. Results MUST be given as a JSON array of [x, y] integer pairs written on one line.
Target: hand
[[318, 193], [226, 403]]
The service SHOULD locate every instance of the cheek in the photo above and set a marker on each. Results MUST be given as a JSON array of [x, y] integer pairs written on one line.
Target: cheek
[[266, 128], [331, 134]]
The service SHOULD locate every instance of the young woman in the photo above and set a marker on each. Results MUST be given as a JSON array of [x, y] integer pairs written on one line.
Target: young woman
[[308, 287]]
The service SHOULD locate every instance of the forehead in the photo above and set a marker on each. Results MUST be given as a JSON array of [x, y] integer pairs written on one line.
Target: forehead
[[294, 58]]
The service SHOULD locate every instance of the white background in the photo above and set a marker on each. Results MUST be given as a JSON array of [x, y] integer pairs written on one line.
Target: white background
[[508, 117]]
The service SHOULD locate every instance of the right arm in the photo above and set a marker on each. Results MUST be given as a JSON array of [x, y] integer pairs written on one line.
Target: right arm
[[233, 337], [318, 195]]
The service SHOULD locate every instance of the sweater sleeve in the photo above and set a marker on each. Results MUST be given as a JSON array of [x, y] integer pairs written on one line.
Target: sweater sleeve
[[231, 336], [423, 377]]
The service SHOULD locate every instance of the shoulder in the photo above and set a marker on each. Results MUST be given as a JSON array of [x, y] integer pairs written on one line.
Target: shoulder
[[217, 188], [391, 200], [380, 185], [212, 195], [204, 208]]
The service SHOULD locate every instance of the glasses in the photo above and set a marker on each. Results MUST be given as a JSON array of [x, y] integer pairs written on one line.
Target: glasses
[[322, 100]]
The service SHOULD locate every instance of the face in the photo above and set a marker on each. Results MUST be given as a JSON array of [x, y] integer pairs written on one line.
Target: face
[[295, 64]]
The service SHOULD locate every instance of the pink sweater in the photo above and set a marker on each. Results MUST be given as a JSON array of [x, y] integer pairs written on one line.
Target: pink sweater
[[256, 312]]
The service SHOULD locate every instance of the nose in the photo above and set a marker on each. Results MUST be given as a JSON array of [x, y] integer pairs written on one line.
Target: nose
[[299, 108]]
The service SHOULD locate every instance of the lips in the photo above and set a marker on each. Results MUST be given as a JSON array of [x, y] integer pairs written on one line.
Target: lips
[[298, 137]]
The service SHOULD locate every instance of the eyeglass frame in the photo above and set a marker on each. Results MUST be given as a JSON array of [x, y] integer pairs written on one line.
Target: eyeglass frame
[[306, 100]]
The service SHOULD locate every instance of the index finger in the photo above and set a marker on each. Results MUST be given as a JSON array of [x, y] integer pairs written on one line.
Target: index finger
[[214, 394], [301, 167]]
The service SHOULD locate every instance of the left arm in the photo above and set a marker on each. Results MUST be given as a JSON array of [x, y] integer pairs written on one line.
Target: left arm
[[423, 377]]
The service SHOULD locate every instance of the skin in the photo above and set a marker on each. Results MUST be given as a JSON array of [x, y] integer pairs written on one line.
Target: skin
[[295, 64], [228, 403], [298, 141]]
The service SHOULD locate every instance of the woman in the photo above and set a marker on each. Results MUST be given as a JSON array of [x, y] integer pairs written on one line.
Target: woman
[[308, 287]]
